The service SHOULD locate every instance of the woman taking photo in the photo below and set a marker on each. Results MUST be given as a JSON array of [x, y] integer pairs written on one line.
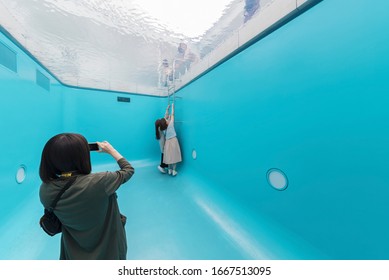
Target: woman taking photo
[[92, 227]]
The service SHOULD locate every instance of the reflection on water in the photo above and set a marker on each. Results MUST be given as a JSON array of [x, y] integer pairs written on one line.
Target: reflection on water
[[250, 7], [115, 45], [178, 65]]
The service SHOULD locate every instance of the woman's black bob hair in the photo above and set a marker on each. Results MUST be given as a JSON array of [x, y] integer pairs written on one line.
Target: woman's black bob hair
[[65, 152]]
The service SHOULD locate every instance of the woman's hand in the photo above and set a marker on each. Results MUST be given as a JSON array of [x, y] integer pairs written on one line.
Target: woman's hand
[[106, 147]]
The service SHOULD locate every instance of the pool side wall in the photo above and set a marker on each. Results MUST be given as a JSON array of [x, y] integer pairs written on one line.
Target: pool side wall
[[310, 99]]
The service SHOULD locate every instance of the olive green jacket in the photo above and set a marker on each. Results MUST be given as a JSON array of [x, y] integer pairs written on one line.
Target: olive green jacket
[[90, 216]]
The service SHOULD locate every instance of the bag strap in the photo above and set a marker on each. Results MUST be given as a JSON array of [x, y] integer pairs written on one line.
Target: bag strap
[[52, 206]]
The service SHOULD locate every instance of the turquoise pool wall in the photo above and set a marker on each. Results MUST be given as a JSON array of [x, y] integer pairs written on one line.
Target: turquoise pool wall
[[29, 114], [312, 100], [129, 126], [309, 99]]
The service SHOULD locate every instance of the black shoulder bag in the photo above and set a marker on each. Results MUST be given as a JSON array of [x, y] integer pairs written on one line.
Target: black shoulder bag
[[49, 221]]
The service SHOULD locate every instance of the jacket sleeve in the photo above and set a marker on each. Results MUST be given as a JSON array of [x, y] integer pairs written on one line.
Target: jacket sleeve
[[113, 180]]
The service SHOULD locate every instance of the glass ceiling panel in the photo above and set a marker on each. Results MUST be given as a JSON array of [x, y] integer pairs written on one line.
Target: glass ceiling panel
[[135, 46]]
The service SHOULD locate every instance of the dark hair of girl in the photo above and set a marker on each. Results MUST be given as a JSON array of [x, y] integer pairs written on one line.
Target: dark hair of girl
[[160, 125], [65, 152]]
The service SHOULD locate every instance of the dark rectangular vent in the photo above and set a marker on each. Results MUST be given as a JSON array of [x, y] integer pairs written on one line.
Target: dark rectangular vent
[[42, 80], [124, 99], [8, 57]]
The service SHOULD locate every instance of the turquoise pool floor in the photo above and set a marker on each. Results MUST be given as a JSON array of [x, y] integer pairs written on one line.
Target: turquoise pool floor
[[168, 218], [164, 222]]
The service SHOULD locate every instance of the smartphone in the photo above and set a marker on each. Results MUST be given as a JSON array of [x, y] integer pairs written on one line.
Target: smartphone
[[93, 147]]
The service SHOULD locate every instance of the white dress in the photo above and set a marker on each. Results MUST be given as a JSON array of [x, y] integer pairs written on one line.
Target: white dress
[[172, 150]]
